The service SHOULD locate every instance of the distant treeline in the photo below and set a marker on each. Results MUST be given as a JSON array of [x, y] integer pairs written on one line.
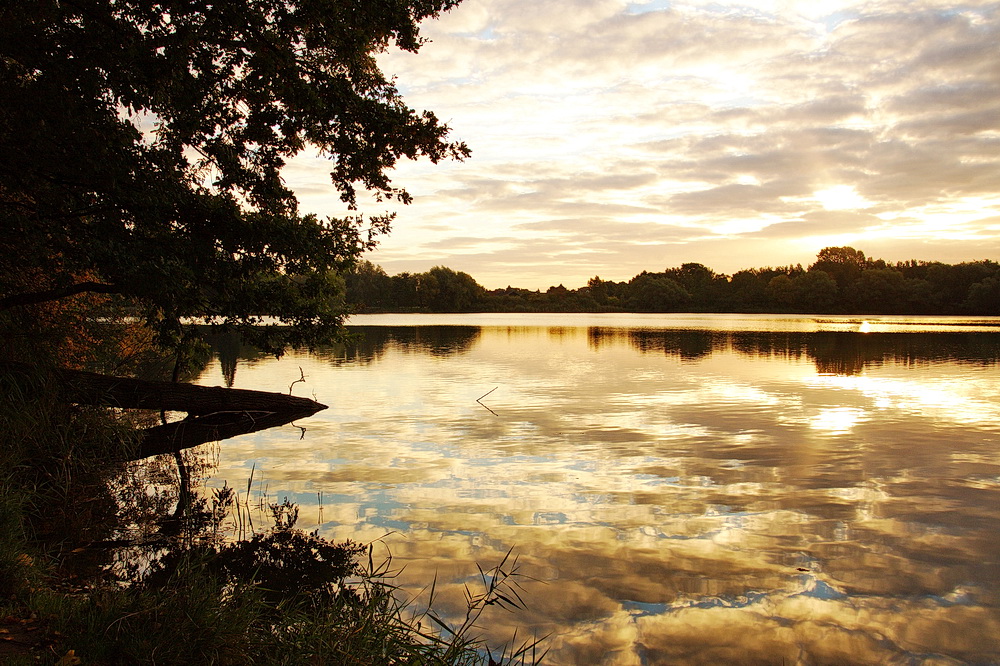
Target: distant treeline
[[841, 281]]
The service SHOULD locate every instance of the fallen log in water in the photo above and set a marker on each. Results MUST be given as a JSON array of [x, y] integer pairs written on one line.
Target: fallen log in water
[[91, 388], [214, 413], [209, 428]]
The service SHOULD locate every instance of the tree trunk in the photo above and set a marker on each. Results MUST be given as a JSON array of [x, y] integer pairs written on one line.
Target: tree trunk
[[90, 388]]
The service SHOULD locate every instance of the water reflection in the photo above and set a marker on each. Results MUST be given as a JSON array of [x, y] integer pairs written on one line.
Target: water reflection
[[833, 352], [686, 496], [370, 343], [366, 344]]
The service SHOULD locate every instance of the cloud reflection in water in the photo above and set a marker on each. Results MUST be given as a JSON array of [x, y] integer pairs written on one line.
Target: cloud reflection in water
[[684, 497]]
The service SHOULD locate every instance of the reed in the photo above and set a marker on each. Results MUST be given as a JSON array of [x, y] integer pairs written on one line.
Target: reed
[[281, 597], [284, 598]]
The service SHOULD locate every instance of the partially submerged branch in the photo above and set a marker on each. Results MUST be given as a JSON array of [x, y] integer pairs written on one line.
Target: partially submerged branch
[[90, 388], [209, 428], [214, 413]]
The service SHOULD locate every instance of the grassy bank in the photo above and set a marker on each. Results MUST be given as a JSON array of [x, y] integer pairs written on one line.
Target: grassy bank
[[108, 562]]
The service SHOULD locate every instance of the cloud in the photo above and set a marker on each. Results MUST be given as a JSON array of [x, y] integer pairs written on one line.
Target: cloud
[[725, 120]]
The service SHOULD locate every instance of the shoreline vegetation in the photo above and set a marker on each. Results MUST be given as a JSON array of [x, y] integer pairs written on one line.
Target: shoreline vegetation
[[105, 559], [842, 280]]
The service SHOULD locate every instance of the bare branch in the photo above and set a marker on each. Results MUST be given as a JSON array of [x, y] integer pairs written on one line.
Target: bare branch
[[35, 297]]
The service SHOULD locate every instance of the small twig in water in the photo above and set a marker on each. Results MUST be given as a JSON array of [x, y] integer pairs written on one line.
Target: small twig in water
[[302, 378], [480, 400]]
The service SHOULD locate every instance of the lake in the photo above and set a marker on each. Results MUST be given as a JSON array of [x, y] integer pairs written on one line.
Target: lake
[[679, 488]]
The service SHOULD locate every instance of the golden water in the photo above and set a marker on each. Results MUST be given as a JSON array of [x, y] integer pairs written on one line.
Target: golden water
[[685, 489]]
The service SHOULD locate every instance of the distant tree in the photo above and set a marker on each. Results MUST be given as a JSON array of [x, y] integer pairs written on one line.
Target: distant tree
[[984, 297], [142, 142], [781, 290], [368, 286], [404, 290], [699, 281], [920, 297], [909, 287], [617, 293], [843, 264], [598, 289], [691, 275], [951, 283], [512, 299], [656, 293], [748, 290], [446, 290], [815, 291], [880, 290]]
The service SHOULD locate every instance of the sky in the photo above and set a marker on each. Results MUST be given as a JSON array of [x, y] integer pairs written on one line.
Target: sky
[[611, 137]]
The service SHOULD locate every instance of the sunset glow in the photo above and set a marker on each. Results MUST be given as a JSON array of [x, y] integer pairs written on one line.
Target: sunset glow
[[611, 137]]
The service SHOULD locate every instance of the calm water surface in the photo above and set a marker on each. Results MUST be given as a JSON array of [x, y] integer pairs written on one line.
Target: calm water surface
[[684, 488]]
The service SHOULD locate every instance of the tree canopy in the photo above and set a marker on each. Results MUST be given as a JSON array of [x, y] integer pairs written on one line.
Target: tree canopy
[[871, 286], [142, 142]]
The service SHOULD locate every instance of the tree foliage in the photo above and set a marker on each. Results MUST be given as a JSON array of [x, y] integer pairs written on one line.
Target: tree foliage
[[871, 286], [142, 143], [843, 264], [656, 293]]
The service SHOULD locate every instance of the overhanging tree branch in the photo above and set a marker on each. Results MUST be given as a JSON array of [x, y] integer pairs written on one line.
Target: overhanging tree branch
[[35, 297], [244, 85]]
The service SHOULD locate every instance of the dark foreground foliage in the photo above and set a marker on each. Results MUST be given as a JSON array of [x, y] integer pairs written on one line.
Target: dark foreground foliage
[[278, 598], [112, 562], [285, 597]]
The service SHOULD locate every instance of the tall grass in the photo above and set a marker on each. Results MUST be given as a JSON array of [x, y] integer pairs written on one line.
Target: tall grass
[[278, 597], [285, 597], [54, 463], [56, 458]]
